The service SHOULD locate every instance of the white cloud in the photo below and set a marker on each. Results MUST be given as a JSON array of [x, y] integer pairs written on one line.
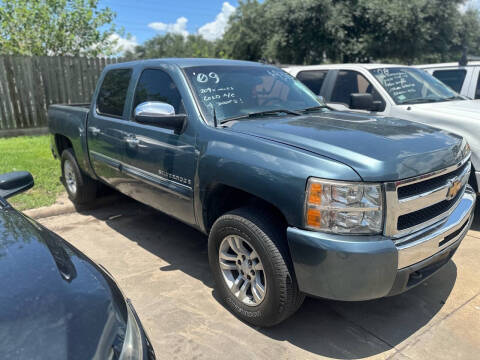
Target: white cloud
[[215, 29], [122, 44], [179, 27]]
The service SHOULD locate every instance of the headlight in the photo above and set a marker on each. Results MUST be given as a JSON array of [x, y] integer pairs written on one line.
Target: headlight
[[343, 207], [132, 346]]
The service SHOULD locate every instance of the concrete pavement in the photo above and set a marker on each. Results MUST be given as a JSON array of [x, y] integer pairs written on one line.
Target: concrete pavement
[[162, 266]]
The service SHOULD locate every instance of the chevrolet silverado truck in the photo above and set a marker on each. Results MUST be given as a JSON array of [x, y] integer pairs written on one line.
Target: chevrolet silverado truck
[[296, 199], [400, 91]]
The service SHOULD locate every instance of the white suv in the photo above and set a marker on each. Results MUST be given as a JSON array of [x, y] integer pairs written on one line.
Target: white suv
[[399, 91]]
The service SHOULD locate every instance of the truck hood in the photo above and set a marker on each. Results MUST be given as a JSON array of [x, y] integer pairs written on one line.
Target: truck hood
[[469, 109], [377, 148]]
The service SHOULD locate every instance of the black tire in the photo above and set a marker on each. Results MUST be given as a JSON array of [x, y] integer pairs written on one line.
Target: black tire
[[86, 188], [267, 236]]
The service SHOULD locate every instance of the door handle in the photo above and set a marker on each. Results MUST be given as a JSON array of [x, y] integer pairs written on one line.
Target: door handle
[[132, 142], [93, 130]]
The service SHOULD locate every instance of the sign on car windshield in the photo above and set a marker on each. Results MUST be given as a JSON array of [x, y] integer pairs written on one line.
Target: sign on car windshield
[[410, 85]]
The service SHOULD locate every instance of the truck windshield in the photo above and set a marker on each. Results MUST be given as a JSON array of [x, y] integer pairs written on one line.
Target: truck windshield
[[237, 91], [413, 86]]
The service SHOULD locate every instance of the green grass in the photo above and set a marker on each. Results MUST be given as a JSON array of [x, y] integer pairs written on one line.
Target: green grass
[[32, 153]]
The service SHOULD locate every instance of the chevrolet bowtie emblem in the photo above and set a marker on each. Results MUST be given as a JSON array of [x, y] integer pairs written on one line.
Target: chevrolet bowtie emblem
[[455, 186]]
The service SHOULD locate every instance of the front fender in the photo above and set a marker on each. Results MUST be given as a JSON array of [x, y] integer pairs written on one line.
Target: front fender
[[274, 172]]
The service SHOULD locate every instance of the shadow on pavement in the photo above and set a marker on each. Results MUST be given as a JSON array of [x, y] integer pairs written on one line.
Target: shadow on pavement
[[329, 328]]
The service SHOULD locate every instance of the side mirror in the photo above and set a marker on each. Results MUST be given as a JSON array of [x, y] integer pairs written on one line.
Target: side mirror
[[378, 105], [364, 101], [14, 183], [160, 114], [361, 101]]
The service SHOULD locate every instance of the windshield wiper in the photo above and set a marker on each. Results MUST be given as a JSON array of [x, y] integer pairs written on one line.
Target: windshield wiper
[[455, 97], [419, 101], [313, 108], [261, 113]]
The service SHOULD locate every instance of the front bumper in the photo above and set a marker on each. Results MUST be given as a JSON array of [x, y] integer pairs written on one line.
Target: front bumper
[[353, 268]]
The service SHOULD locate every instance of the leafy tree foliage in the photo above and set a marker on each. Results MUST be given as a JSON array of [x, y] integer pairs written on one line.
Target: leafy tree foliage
[[174, 45], [54, 27], [314, 31], [247, 33]]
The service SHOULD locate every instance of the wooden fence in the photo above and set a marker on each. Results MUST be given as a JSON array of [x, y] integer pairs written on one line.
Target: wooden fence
[[28, 84]]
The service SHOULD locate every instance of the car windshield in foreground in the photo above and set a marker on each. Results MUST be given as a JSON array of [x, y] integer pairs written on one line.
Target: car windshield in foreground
[[242, 92], [413, 86]]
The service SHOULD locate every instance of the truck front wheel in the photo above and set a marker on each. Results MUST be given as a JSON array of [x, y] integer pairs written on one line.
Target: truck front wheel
[[250, 262], [81, 189]]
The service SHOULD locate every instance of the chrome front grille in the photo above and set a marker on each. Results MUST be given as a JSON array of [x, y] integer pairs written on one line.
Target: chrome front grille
[[416, 203]]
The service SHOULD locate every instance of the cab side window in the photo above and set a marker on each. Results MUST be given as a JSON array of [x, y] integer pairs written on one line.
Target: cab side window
[[351, 82], [313, 79], [453, 78], [157, 85], [113, 92]]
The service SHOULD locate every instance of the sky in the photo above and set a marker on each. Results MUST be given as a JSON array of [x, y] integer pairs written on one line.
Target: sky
[[143, 19]]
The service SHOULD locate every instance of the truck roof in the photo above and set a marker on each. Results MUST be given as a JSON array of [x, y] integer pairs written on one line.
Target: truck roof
[[341, 66], [186, 62], [450, 64]]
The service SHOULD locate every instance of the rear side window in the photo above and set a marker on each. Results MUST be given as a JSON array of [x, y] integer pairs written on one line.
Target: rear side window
[[313, 79], [453, 78], [157, 85], [113, 92]]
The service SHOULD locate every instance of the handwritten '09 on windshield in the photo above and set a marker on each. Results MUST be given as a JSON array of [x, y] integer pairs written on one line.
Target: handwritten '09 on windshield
[[204, 78]]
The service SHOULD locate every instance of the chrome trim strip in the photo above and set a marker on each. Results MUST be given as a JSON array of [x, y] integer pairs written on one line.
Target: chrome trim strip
[[111, 162], [153, 179], [158, 181], [426, 243]]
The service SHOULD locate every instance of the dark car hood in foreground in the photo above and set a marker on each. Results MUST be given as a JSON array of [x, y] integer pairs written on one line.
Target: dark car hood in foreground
[[54, 303], [378, 148]]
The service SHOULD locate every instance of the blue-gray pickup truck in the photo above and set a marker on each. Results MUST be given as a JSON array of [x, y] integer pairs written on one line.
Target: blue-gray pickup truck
[[296, 199]]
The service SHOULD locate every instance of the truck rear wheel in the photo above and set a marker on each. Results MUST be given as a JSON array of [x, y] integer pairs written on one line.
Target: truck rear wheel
[[249, 258], [81, 188]]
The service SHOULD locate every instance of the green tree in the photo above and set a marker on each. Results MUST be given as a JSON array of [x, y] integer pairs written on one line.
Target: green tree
[[174, 45], [55, 27], [300, 31], [315, 31], [247, 32]]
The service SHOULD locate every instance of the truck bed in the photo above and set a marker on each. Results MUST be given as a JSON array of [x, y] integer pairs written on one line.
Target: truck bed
[[70, 121]]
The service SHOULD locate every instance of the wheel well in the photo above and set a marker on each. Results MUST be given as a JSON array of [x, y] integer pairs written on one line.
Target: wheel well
[[62, 143], [221, 199]]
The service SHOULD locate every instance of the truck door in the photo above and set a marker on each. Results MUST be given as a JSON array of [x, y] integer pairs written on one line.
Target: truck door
[[160, 163], [105, 126]]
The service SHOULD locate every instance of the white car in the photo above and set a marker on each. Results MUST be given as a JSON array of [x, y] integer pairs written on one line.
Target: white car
[[462, 79], [399, 91]]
